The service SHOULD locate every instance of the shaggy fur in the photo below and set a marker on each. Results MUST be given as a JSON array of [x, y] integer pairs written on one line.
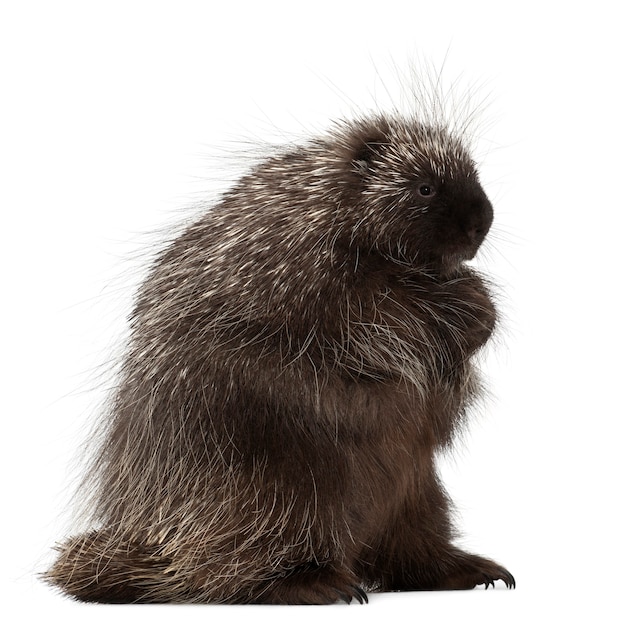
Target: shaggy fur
[[297, 357]]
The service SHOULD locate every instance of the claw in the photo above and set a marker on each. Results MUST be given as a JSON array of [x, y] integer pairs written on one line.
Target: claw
[[360, 595], [354, 593], [346, 597], [508, 579]]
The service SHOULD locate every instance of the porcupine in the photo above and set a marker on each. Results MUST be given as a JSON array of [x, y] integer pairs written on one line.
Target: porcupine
[[297, 357]]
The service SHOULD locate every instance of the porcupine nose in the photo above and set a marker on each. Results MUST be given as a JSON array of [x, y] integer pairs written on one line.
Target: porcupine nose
[[480, 221]]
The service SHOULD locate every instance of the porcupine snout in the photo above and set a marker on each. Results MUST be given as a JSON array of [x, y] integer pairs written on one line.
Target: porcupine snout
[[476, 220]]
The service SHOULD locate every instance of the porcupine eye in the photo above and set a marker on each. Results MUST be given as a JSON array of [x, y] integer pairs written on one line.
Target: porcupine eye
[[426, 190]]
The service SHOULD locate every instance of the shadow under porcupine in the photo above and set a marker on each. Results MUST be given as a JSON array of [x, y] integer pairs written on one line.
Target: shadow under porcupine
[[297, 357]]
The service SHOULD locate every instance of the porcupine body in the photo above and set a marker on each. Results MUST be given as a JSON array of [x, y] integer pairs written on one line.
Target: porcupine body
[[297, 357]]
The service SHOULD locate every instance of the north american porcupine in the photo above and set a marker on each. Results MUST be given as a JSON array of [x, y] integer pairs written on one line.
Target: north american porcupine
[[297, 357]]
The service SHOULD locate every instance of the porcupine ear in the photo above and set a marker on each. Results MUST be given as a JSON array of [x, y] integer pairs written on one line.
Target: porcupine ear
[[363, 157], [365, 142]]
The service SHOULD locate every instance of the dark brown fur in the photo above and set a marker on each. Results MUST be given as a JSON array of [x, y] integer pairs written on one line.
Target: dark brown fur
[[297, 358]]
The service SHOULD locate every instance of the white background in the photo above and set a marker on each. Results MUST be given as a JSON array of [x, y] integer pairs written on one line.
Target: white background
[[108, 112]]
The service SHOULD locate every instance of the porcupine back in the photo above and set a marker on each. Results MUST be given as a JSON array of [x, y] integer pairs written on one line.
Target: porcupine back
[[294, 355]]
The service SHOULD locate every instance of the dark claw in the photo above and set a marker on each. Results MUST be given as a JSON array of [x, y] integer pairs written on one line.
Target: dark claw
[[507, 578], [360, 595], [503, 575], [355, 593], [346, 597]]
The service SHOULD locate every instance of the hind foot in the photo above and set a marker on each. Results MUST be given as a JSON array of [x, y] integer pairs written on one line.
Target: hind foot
[[454, 570], [470, 570], [312, 584], [460, 570]]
